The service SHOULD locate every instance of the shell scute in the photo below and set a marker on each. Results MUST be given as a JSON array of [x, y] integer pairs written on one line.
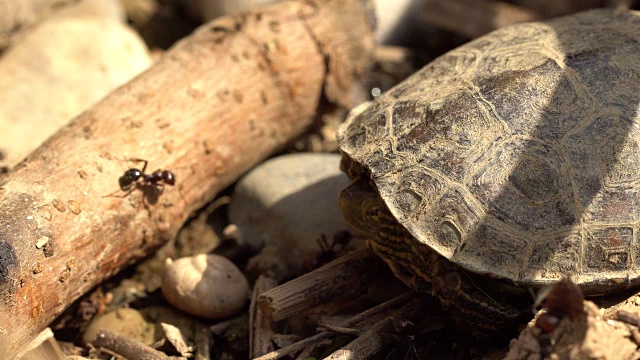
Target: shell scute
[[454, 133], [517, 155], [609, 249], [554, 255]]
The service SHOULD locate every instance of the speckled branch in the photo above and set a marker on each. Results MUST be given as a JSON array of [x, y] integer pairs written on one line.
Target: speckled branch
[[217, 103]]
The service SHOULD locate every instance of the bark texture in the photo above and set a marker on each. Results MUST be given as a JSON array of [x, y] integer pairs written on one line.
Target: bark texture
[[220, 101]]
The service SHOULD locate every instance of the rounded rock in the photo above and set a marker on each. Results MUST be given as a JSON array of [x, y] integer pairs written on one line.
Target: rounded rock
[[267, 202], [209, 286], [126, 322], [286, 206], [59, 69]]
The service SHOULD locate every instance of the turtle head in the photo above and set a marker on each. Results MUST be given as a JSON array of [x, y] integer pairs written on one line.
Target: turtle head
[[363, 209]]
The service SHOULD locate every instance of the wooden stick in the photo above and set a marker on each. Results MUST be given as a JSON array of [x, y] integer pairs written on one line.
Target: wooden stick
[[217, 103], [473, 18], [348, 275], [377, 336], [293, 348], [203, 341], [260, 328], [341, 330], [127, 347]]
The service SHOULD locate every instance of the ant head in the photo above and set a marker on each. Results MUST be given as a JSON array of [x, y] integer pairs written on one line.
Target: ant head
[[130, 176], [168, 177]]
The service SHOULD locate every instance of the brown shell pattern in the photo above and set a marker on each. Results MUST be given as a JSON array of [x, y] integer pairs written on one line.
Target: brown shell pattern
[[518, 154]]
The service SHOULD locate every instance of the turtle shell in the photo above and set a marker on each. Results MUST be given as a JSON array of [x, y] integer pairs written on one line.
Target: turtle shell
[[517, 155]]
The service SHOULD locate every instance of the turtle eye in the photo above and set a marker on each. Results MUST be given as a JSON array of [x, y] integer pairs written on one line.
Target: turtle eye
[[374, 214]]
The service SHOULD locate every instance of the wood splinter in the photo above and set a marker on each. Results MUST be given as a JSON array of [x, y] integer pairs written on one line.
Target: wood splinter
[[260, 328], [310, 341], [346, 276], [128, 348], [379, 335]]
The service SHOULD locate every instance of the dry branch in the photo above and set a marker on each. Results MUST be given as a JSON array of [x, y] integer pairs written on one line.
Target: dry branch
[[220, 101], [293, 348], [473, 18], [260, 329], [555, 8], [349, 275], [127, 347], [379, 335], [203, 342]]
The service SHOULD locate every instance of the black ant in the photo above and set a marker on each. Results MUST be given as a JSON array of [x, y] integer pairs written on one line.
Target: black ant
[[329, 250], [139, 178]]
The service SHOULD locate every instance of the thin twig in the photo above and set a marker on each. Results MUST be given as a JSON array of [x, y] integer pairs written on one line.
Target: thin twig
[[341, 330], [127, 347], [293, 348]]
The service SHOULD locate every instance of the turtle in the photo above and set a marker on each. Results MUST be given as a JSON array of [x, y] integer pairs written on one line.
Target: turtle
[[505, 165]]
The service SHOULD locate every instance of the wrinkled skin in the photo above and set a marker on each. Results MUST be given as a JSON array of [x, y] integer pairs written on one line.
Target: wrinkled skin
[[485, 308]]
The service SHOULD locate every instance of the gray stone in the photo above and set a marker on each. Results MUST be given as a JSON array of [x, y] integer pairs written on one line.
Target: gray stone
[[286, 204]]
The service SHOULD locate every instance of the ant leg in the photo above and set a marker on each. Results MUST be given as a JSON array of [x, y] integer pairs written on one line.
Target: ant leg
[[322, 242], [144, 167], [123, 196]]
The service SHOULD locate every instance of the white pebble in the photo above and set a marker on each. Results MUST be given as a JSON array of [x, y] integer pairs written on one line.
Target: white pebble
[[209, 286]]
